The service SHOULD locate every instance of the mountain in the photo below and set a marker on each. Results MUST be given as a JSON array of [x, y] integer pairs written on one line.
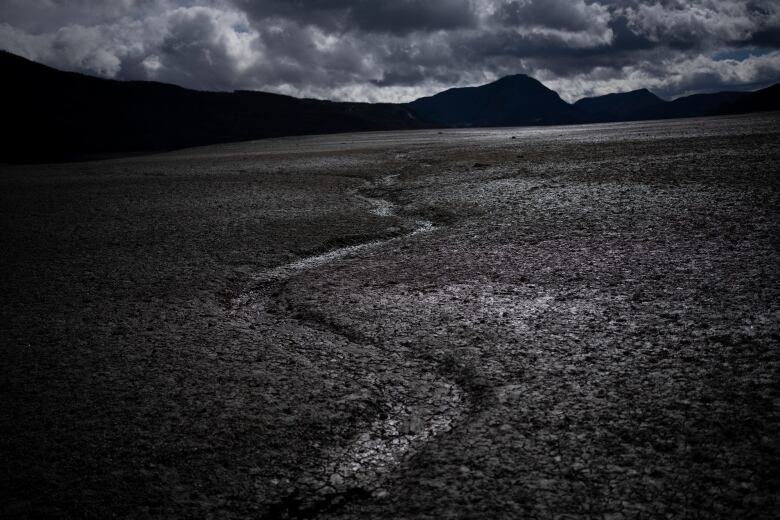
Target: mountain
[[53, 115], [762, 100], [626, 106], [643, 104], [698, 105], [511, 101]]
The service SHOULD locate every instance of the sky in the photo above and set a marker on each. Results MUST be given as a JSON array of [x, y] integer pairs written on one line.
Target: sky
[[399, 50]]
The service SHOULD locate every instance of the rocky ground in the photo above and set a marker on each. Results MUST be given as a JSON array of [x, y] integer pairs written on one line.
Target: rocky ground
[[568, 322]]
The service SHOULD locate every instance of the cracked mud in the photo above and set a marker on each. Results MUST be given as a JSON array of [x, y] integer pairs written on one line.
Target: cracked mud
[[413, 414], [577, 322]]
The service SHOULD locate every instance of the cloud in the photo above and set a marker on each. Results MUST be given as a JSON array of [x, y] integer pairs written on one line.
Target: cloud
[[396, 50], [671, 78], [395, 17], [198, 47], [695, 25], [564, 15]]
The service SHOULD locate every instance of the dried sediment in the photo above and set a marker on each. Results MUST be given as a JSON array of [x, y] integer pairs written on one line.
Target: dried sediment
[[603, 298]]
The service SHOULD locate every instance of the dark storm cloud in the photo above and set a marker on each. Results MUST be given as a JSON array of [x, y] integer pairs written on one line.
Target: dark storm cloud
[[556, 14], [400, 49], [764, 38], [398, 16]]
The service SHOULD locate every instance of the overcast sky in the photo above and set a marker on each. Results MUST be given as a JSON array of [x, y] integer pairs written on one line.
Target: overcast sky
[[398, 50]]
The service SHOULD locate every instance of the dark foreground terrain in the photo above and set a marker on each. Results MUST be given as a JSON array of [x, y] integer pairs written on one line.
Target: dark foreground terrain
[[577, 322]]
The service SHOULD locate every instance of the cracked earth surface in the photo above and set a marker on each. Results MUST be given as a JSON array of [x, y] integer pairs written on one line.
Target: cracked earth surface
[[580, 322]]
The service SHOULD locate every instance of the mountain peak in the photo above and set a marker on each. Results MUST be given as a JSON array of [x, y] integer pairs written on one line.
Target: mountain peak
[[517, 81], [643, 92], [509, 101], [516, 78], [631, 94]]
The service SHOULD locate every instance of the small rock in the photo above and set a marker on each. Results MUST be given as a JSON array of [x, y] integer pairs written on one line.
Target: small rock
[[326, 490], [413, 425]]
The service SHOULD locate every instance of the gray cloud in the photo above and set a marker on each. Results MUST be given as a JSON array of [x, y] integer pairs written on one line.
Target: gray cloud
[[395, 50], [564, 15], [396, 17]]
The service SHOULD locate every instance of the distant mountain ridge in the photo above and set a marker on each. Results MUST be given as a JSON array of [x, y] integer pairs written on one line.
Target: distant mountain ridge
[[627, 106], [510, 101], [55, 115], [643, 104]]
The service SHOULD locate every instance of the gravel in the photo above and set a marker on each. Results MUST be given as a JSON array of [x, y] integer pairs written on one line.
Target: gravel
[[579, 322]]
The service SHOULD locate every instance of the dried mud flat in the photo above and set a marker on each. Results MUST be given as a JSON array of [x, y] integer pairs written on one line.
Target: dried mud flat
[[568, 322]]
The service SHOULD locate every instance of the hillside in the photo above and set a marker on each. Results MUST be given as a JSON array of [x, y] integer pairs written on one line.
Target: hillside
[[59, 115], [54, 115], [627, 106], [511, 101]]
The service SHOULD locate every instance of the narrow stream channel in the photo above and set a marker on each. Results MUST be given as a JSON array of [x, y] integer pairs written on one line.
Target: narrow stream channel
[[417, 413]]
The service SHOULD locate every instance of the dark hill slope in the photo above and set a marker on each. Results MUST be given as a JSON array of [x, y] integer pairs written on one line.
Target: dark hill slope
[[510, 101], [50, 114], [762, 100], [626, 106], [642, 104], [698, 105]]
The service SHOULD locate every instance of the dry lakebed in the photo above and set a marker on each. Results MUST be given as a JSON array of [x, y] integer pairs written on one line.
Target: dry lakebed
[[543, 323]]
